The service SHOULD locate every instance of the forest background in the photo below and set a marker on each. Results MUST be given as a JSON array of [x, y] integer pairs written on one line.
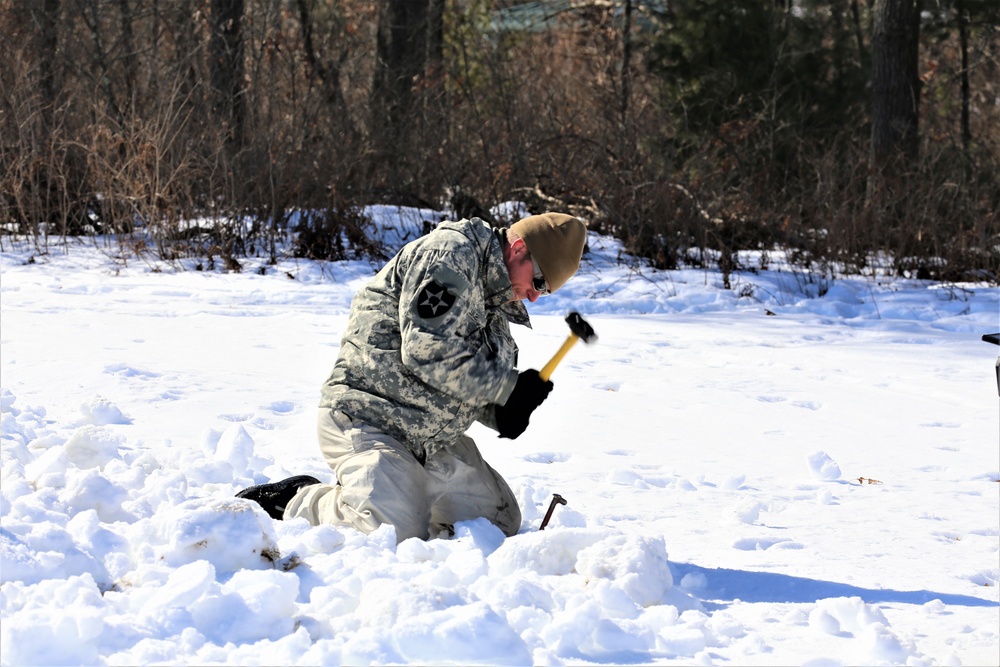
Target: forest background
[[858, 136]]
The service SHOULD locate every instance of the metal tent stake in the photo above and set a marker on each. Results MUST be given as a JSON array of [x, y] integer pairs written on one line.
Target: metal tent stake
[[556, 500]]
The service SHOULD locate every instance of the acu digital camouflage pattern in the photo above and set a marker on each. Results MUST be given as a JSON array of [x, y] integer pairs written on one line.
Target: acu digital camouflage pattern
[[428, 350]]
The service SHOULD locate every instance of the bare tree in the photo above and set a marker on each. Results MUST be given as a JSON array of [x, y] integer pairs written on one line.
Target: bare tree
[[226, 66], [409, 37], [962, 17], [129, 57], [895, 83], [46, 18], [325, 66]]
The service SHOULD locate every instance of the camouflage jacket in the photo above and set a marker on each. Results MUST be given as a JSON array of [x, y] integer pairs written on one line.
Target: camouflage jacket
[[427, 349]]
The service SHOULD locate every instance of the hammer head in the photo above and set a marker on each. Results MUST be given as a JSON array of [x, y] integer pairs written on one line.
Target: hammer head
[[580, 328]]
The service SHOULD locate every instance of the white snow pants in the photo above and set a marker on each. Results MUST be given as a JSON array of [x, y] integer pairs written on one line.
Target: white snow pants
[[381, 481]]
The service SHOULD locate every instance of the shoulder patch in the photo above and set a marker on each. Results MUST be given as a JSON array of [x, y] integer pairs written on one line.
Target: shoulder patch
[[434, 300]]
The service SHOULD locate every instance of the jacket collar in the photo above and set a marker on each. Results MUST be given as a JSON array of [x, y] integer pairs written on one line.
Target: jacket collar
[[496, 279], [499, 289]]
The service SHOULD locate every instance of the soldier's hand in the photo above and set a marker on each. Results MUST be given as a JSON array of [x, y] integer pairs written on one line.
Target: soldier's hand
[[529, 392]]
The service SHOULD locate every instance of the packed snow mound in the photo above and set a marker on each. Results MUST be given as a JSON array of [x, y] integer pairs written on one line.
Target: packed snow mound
[[823, 467], [717, 449], [182, 562], [101, 411], [159, 550]]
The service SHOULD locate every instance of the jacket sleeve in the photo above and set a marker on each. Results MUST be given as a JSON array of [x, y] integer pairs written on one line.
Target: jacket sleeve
[[488, 417], [445, 337]]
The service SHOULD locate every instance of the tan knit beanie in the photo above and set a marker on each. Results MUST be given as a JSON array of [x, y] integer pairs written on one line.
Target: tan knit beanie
[[555, 241]]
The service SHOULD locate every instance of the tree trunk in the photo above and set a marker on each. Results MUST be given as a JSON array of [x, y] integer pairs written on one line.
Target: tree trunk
[[47, 17], [402, 51], [858, 31], [963, 40], [226, 66], [895, 95], [128, 54], [325, 70], [91, 13], [435, 33], [626, 63]]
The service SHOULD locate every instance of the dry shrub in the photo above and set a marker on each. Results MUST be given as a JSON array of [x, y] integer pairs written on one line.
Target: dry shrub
[[569, 118], [335, 234]]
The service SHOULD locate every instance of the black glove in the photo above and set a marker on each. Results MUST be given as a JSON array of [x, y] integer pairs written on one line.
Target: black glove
[[529, 392]]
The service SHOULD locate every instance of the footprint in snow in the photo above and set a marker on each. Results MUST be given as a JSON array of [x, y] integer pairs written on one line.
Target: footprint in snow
[[237, 417], [126, 371], [947, 537], [764, 543], [548, 457], [986, 578]]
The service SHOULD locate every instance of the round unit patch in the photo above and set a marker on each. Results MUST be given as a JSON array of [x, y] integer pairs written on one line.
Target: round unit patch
[[434, 300]]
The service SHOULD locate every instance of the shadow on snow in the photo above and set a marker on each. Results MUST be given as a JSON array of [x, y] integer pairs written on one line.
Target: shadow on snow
[[725, 585]]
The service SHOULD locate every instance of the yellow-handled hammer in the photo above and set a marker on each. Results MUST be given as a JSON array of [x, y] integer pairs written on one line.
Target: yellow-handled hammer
[[578, 330]]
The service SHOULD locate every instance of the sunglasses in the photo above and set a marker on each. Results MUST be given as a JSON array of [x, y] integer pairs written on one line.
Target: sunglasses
[[538, 281]]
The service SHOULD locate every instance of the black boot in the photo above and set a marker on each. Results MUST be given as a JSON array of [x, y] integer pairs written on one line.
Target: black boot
[[276, 496]]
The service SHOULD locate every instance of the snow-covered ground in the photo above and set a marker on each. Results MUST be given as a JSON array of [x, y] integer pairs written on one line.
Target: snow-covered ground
[[760, 475]]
